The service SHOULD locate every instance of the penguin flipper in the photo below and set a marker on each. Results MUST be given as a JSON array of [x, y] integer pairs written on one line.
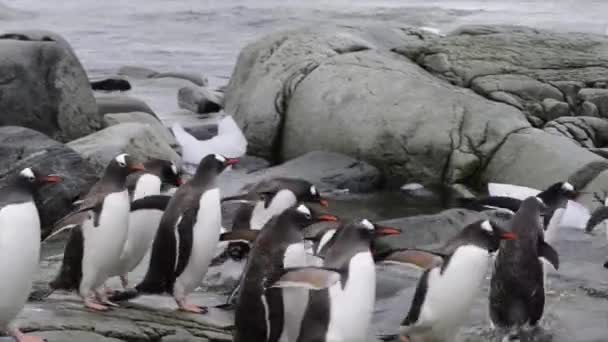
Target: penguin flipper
[[185, 235], [420, 258], [313, 278], [247, 235], [548, 253], [158, 202]]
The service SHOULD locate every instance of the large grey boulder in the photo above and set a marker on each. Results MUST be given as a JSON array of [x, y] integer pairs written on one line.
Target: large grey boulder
[[22, 147], [140, 117], [137, 139], [341, 89], [586, 131], [44, 86], [199, 100], [519, 66]]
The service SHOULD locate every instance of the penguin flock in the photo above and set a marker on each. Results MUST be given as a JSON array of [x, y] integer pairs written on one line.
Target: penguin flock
[[309, 275]]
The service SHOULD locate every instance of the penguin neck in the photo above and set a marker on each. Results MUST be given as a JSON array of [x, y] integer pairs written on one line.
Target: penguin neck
[[346, 244], [115, 178], [18, 191], [202, 178]]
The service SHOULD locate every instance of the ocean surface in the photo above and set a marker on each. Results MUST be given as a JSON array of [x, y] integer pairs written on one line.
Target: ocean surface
[[205, 36]]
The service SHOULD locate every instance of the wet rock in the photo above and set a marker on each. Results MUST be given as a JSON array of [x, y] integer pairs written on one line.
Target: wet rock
[[199, 100], [140, 117], [137, 139], [22, 147], [136, 71], [121, 104], [327, 170], [183, 337], [599, 97], [202, 131], [586, 131], [111, 84], [44, 86], [74, 336], [537, 159], [554, 109], [197, 79]]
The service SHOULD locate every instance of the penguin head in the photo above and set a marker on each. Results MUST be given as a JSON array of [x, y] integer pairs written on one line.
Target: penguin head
[[486, 234], [122, 165], [33, 179], [303, 216], [214, 163], [558, 191], [166, 170], [303, 190]]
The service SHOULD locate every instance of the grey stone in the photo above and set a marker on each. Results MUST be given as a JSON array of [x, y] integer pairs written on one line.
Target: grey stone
[[136, 71], [570, 89], [199, 100], [195, 78], [586, 131], [536, 159], [74, 336], [44, 86], [599, 97], [141, 117], [589, 109], [22, 147], [183, 337], [137, 139], [554, 109], [327, 170], [121, 104], [587, 173]]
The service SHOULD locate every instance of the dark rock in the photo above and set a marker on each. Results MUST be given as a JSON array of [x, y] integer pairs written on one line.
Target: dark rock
[[137, 139], [199, 100], [111, 84], [44, 86], [136, 71], [140, 117], [202, 131], [121, 104], [192, 77], [22, 147], [599, 97]]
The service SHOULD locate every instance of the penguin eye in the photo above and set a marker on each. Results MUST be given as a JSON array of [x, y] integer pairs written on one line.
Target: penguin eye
[[122, 164], [31, 179]]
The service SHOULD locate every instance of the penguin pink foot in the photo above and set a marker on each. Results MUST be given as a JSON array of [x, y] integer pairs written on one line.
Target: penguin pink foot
[[93, 305], [21, 337], [102, 297], [186, 307]]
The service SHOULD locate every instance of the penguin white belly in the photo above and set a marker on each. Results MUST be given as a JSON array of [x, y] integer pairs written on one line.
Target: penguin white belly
[[450, 295], [19, 254], [206, 235], [147, 185], [351, 308], [103, 245], [143, 225]]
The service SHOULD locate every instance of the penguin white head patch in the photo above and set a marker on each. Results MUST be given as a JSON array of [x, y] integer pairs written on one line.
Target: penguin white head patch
[[487, 226], [567, 187], [313, 190], [121, 159], [365, 223], [28, 173], [304, 210], [174, 168], [540, 200], [220, 158]]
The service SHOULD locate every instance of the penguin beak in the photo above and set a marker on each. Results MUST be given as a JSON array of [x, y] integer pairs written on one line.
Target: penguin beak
[[328, 218], [137, 167], [50, 179], [385, 231], [179, 181], [231, 161], [508, 236], [324, 203]]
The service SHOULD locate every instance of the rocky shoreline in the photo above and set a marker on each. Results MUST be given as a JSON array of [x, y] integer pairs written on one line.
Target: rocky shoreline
[[354, 109]]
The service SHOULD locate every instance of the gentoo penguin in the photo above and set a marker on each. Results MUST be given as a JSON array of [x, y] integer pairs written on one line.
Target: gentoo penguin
[[599, 215], [554, 197], [446, 292], [158, 173], [95, 244], [187, 235], [146, 211], [20, 246], [279, 245], [343, 293], [517, 292]]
